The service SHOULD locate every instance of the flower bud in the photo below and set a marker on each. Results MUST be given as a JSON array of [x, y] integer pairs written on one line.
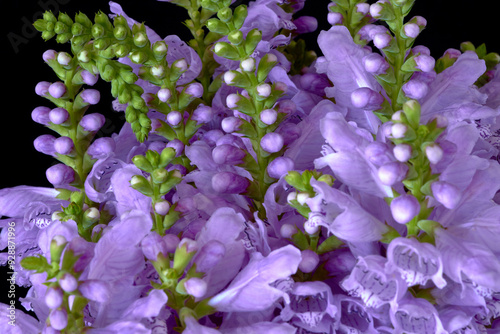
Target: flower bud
[[174, 118], [446, 194], [202, 114], [398, 130], [184, 252], [231, 124], [58, 319], [90, 96], [232, 100], [334, 18], [288, 230], [57, 89], [49, 55], [195, 90], [264, 90], [314, 83], [162, 207], [305, 24], [92, 122], [229, 183], [196, 287], [58, 115], [415, 89], [45, 144], [434, 153], [411, 30], [375, 63], [366, 98], [228, 154], [68, 282], [279, 167], [424, 63], [152, 245], [41, 115], [60, 174], [53, 297], [164, 94], [181, 65], [268, 116], [248, 65], [63, 145], [404, 208], [272, 142], [309, 261], [392, 172], [101, 147], [177, 145], [302, 198], [402, 152], [88, 78], [42, 88], [363, 8], [63, 58], [382, 40]]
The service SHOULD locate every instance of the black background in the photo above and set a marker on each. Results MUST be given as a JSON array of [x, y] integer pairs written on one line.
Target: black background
[[450, 22]]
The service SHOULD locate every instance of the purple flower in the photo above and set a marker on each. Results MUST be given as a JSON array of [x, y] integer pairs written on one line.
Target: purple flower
[[370, 282], [404, 208], [98, 182], [346, 70], [311, 307], [416, 315], [343, 216], [251, 290], [416, 262]]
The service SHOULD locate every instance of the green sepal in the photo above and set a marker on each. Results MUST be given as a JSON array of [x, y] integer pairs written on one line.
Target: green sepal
[[182, 257], [245, 105], [240, 80], [166, 155], [428, 226], [247, 129], [190, 128], [390, 235], [171, 217], [226, 50], [265, 66], [304, 210], [180, 289], [217, 26], [159, 175], [171, 182], [79, 303], [139, 183], [225, 14], [235, 37], [330, 244], [38, 263], [64, 194], [68, 261], [166, 131], [411, 110], [299, 239], [239, 15], [253, 38], [142, 163]]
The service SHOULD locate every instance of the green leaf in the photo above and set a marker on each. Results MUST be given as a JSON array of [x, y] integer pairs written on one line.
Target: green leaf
[[38, 263]]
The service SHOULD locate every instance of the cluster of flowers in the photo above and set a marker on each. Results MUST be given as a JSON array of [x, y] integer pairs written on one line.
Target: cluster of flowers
[[258, 188]]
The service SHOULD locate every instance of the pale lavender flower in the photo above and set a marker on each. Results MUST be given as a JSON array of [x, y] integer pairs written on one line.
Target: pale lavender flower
[[98, 182], [416, 315], [416, 262], [311, 307], [342, 215], [251, 289], [370, 282]]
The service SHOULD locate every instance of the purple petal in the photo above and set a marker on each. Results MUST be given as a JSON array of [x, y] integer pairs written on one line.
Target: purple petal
[[147, 307], [250, 290], [416, 315], [13, 201], [416, 262], [353, 223]]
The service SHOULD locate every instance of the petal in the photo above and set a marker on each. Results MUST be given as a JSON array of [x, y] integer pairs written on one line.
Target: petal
[[13, 201], [250, 290], [146, 307]]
